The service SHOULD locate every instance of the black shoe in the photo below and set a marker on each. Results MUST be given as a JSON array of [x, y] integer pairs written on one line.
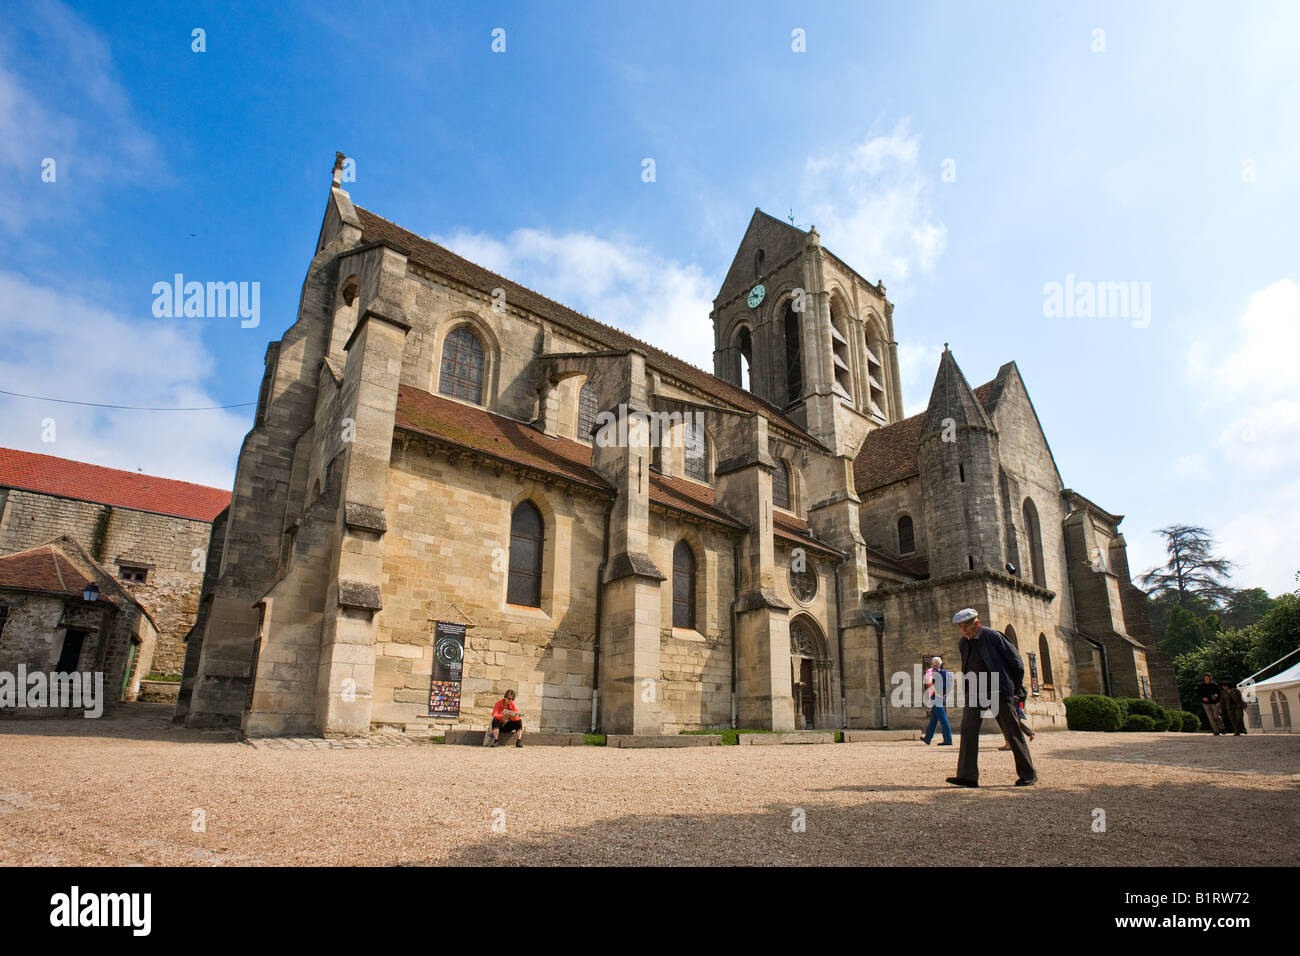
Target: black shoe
[[948, 744], [1026, 783], [962, 782], [519, 743], [925, 741]]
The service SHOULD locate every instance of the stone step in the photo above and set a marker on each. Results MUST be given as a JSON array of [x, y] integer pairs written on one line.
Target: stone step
[[803, 737], [663, 740], [875, 736], [474, 738]]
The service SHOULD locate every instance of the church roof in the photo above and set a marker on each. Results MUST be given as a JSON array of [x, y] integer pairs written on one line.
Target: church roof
[[889, 454], [48, 475], [477, 429], [442, 260]]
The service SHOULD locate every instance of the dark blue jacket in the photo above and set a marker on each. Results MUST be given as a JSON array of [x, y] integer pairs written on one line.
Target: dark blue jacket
[[1000, 657]]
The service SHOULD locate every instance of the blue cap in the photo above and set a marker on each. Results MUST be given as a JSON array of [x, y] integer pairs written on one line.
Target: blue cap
[[964, 615]]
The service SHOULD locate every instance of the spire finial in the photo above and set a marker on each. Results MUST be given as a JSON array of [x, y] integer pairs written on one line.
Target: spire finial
[[338, 168], [945, 346]]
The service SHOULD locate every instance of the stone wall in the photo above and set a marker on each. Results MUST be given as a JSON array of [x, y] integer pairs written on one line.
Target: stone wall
[[173, 548]]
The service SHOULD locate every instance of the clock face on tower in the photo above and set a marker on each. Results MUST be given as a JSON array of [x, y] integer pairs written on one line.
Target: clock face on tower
[[756, 296]]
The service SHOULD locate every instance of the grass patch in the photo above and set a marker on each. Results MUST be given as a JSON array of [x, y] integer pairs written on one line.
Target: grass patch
[[169, 678], [437, 740], [593, 740]]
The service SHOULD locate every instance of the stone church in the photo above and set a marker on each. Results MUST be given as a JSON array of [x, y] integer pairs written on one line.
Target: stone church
[[450, 489]]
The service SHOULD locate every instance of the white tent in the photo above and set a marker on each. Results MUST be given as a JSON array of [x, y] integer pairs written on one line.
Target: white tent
[[1273, 700]]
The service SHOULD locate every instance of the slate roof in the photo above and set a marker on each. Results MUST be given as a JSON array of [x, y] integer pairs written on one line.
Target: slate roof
[[109, 486], [442, 260]]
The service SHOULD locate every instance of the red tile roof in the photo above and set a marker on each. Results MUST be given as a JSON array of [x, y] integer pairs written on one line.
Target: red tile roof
[[108, 486], [889, 454], [796, 530], [479, 430], [41, 569], [442, 260]]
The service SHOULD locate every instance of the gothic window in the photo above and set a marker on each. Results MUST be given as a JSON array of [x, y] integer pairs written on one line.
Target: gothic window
[[462, 366], [793, 355], [803, 583], [1046, 655], [840, 356], [906, 535], [696, 452], [1010, 633], [683, 586], [875, 378], [586, 411], [759, 258], [745, 343], [525, 583], [1034, 536], [781, 485]]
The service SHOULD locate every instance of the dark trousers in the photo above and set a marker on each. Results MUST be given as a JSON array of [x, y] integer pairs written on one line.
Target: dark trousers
[[968, 760], [938, 718]]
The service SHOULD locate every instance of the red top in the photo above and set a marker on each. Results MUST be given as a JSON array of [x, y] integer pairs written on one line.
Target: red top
[[499, 711]]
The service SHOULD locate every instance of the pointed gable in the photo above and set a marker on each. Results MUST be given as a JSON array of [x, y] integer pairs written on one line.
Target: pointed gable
[[778, 241]]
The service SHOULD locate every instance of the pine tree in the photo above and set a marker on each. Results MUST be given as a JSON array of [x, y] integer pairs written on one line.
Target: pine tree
[[1192, 569]]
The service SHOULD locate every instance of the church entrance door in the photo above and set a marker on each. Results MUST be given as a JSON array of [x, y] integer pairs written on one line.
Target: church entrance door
[[808, 699]]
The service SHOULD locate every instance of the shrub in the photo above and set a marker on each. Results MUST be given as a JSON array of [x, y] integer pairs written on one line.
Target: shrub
[[1149, 708], [1093, 712], [1191, 722], [1139, 722]]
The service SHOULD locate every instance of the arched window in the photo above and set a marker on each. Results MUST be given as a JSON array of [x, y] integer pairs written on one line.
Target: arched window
[[840, 354], [696, 448], [876, 377], [745, 343], [781, 485], [759, 258], [683, 586], [793, 355], [586, 411], [525, 584], [906, 535], [1034, 535], [462, 366], [1010, 632], [1045, 655]]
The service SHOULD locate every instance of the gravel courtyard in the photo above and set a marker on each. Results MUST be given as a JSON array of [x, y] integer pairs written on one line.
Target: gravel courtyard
[[125, 789]]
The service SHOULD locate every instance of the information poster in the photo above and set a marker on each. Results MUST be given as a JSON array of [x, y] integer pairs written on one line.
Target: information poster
[[448, 657], [1033, 674]]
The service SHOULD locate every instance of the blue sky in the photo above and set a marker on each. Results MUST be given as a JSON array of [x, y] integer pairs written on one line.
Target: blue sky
[[1163, 150]]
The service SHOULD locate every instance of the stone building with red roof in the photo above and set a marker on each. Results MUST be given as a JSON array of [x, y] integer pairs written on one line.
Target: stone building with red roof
[[455, 486], [151, 533]]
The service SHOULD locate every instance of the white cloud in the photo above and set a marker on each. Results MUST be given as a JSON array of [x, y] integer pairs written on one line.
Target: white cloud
[[917, 364], [60, 99], [663, 302], [58, 344], [872, 206], [1251, 407]]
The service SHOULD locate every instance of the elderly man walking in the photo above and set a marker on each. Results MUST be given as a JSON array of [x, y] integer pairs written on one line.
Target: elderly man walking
[[987, 654]]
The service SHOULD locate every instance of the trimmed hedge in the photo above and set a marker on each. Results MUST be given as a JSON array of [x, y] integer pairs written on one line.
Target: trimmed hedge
[[1093, 712], [1137, 706], [1139, 722], [1191, 721]]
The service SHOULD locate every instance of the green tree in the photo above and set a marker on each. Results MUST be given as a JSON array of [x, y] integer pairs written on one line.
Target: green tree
[[1185, 633], [1192, 568], [1279, 632], [1246, 607], [1160, 606]]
